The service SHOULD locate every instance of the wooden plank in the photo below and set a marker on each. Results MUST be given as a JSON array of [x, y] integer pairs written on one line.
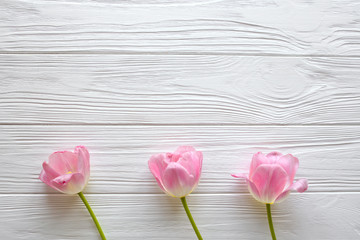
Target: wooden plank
[[128, 89], [328, 155], [301, 216], [202, 27]]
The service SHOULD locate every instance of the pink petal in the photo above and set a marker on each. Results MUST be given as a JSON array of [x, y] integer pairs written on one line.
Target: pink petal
[[301, 186], [273, 157], [174, 157], [283, 196], [290, 164], [192, 162], [240, 175], [157, 165], [270, 180], [258, 159], [200, 157], [253, 190], [71, 183], [48, 171], [177, 180], [251, 186], [63, 162], [183, 149], [45, 178], [83, 157], [48, 174]]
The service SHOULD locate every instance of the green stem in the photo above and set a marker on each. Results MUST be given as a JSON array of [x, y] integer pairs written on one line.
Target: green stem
[[81, 195], [271, 226], [184, 203]]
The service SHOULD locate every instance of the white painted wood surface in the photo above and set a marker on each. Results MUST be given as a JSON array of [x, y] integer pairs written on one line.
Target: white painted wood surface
[[162, 90], [132, 78]]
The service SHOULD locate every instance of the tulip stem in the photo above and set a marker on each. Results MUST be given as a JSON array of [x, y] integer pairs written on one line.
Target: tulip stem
[[271, 226], [184, 203], [81, 195]]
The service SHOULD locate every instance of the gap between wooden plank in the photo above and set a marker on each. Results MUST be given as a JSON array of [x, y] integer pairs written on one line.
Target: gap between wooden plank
[[163, 194], [185, 124], [176, 54]]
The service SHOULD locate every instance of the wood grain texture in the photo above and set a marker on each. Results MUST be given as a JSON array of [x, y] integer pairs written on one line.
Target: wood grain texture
[[329, 155], [138, 89], [224, 27], [132, 78], [230, 216]]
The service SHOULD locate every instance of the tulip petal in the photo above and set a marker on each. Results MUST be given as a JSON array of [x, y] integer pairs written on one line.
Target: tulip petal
[[71, 183], [270, 180], [177, 180], [290, 164], [48, 174], [283, 196], [251, 186], [192, 162], [239, 175], [83, 157], [258, 159], [157, 165], [44, 177], [300, 186], [200, 157], [254, 190], [48, 171], [273, 157], [63, 162]]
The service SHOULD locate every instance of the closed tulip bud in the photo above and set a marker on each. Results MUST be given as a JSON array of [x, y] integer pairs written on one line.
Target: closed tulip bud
[[177, 173], [271, 177]]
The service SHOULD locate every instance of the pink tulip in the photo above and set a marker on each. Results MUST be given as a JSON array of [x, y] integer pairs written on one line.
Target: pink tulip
[[67, 172], [271, 177], [177, 173]]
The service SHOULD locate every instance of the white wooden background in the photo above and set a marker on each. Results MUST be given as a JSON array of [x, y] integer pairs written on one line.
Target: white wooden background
[[130, 78]]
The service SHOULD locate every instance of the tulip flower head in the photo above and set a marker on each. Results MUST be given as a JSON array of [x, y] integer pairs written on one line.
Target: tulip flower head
[[177, 173], [271, 177], [67, 172]]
